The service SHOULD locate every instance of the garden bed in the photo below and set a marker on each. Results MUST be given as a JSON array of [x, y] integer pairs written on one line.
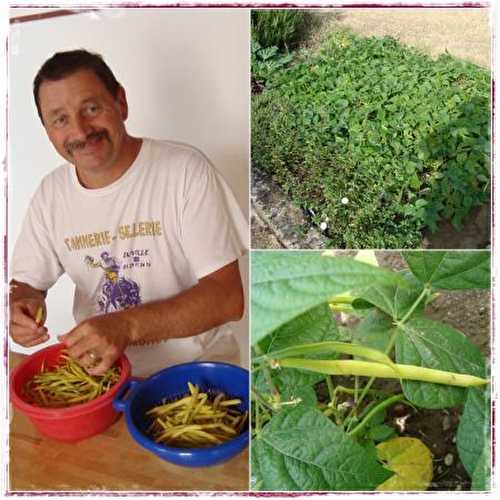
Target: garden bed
[[378, 141]]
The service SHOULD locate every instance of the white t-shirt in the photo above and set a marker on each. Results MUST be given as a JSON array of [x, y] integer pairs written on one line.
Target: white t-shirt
[[167, 222]]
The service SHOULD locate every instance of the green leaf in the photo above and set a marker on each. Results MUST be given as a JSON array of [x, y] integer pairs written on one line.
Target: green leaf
[[291, 384], [394, 299], [315, 325], [268, 468], [381, 432], [481, 478], [302, 450], [287, 284], [451, 270], [474, 429], [411, 461], [431, 344], [297, 385], [374, 331]]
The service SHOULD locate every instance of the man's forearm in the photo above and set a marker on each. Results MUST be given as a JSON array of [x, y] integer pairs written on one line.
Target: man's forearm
[[215, 300], [19, 290]]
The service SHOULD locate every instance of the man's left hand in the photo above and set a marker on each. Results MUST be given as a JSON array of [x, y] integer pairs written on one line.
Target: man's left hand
[[98, 342]]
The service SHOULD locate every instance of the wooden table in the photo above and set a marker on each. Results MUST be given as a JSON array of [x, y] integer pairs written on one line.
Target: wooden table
[[108, 462]]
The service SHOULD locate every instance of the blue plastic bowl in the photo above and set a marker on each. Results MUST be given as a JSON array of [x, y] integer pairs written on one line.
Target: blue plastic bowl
[[172, 383]]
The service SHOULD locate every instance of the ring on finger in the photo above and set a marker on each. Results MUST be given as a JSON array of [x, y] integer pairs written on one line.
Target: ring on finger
[[94, 357]]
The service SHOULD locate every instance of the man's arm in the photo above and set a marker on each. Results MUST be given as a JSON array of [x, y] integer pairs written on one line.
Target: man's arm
[[215, 300], [24, 303]]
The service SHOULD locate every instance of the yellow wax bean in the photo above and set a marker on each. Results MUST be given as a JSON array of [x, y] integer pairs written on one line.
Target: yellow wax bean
[[398, 371], [195, 420], [230, 402], [39, 316]]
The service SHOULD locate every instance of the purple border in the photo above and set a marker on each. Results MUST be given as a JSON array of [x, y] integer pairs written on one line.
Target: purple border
[[83, 8], [253, 5]]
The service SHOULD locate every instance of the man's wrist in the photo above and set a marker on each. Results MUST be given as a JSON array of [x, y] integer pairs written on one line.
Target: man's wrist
[[19, 290], [131, 325]]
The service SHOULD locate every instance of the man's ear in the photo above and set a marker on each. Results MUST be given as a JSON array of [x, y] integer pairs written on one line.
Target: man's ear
[[121, 99]]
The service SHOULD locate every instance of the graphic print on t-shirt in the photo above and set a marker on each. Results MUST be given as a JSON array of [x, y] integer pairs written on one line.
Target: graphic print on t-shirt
[[118, 292]]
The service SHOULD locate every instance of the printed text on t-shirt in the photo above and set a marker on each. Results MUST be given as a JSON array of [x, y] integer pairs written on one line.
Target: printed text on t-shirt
[[125, 232]]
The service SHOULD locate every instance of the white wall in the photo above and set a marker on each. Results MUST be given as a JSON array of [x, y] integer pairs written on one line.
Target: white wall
[[186, 74]]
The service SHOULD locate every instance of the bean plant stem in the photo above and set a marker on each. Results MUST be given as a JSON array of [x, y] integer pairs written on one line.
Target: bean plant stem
[[377, 409], [388, 350], [424, 293], [267, 376], [349, 390], [331, 390], [368, 385], [261, 400], [257, 416]]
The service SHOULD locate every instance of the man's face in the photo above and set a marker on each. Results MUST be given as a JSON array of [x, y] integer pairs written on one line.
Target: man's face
[[84, 122]]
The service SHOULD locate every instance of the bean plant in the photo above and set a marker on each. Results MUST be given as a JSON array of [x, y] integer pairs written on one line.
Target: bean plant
[[318, 407], [380, 138]]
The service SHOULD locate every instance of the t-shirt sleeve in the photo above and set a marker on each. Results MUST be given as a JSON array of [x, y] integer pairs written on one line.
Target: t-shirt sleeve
[[34, 260], [214, 231]]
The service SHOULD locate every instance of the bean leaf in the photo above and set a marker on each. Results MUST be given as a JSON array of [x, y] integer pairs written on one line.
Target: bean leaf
[[374, 331], [315, 325], [411, 461], [451, 270], [481, 478], [394, 299], [287, 284], [428, 343], [301, 449], [473, 430]]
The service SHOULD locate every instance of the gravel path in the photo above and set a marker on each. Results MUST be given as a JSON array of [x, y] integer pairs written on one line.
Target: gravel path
[[464, 33]]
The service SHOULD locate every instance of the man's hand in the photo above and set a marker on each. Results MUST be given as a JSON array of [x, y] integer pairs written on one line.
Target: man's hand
[[25, 303], [98, 342], [23, 328]]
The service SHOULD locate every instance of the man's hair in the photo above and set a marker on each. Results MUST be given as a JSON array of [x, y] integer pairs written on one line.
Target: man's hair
[[63, 64]]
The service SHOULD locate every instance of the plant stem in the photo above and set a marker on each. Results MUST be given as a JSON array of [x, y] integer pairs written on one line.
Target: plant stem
[[331, 390], [368, 407], [261, 400], [368, 385], [349, 390], [255, 369], [424, 293], [390, 346], [257, 416], [377, 409], [356, 388]]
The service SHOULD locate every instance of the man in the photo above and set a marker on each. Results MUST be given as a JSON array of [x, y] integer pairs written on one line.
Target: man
[[147, 230]]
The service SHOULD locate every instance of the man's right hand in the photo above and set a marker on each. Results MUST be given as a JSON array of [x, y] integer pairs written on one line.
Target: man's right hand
[[23, 328]]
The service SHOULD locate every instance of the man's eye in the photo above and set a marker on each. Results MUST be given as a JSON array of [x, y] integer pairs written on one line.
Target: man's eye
[[91, 109], [60, 121]]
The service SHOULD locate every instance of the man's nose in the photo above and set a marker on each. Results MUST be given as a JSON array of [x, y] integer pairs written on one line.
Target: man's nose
[[81, 128]]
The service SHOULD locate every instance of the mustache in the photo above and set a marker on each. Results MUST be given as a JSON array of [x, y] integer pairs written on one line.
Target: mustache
[[71, 146]]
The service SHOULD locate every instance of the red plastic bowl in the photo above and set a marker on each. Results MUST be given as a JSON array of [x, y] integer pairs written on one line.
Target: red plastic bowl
[[65, 424]]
